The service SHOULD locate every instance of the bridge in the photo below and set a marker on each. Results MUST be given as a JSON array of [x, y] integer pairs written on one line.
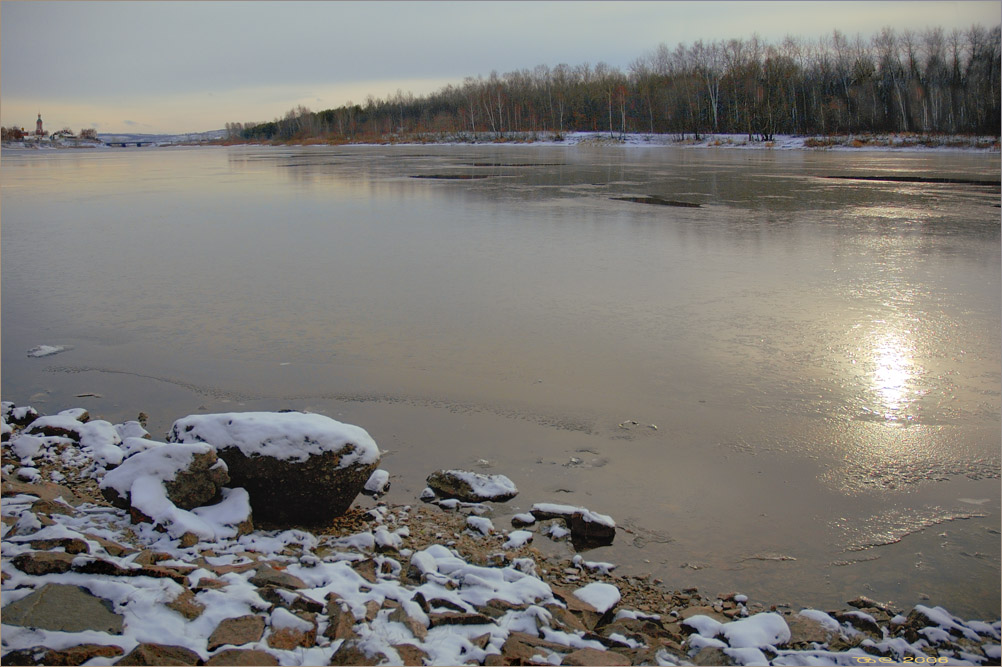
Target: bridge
[[123, 144]]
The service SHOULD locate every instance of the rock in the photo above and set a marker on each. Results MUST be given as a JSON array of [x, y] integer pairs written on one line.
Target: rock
[[859, 620], [566, 619], [286, 599], [71, 545], [113, 548], [288, 639], [45, 491], [290, 631], [863, 602], [191, 474], [351, 653], [299, 469], [25, 656], [341, 620], [689, 612], [458, 618], [63, 608], [160, 654], [43, 506], [242, 656], [410, 654], [472, 487], [186, 605], [591, 656], [21, 416], [519, 648], [62, 426], [73, 655], [366, 569], [417, 628], [40, 563], [377, 484], [712, 656], [804, 630], [269, 576], [588, 529], [237, 631]]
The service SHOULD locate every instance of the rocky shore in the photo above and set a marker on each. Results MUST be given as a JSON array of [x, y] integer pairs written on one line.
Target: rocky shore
[[118, 549]]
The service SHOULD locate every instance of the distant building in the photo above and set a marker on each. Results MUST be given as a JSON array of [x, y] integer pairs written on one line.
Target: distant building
[[39, 132]]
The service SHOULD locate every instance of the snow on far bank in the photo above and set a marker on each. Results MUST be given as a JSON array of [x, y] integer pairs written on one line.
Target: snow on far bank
[[851, 142]]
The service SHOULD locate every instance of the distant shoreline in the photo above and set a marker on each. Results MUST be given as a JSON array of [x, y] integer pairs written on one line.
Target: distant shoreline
[[842, 142]]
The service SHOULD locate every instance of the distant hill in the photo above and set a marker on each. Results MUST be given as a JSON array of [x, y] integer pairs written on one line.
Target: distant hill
[[191, 137]]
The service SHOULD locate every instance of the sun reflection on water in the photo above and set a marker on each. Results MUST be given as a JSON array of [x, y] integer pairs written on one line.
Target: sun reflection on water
[[893, 372]]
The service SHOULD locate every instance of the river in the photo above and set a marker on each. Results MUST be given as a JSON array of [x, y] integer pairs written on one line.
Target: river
[[790, 391]]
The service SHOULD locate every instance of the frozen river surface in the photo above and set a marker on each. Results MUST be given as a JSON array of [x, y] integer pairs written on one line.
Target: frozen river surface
[[820, 357]]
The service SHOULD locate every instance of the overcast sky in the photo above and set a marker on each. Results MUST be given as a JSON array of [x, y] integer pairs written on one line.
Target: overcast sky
[[193, 66]]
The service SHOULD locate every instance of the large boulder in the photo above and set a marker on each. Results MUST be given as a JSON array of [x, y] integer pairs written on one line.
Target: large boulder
[[299, 468]]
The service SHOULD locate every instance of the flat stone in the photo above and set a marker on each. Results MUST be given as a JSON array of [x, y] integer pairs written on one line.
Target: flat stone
[[410, 654], [39, 563], [77, 655], [160, 654], [566, 618], [71, 545], [237, 631], [44, 506], [863, 602], [45, 491], [592, 656], [288, 639], [458, 618], [63, 608], [703, 611], [242, 656], [349, 653], [269, 576], [113, 548], [281, 597], [519, 648], [712, 656], [186, 605], [366, 569]]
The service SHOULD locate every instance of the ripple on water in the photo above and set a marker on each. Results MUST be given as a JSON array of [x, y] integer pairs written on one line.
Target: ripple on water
[[894, 525]]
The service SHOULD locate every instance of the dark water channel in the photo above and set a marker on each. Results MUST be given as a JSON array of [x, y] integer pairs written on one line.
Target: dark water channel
[[820, 357]]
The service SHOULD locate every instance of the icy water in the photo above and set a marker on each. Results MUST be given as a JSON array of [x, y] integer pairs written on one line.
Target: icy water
[[820, 357]]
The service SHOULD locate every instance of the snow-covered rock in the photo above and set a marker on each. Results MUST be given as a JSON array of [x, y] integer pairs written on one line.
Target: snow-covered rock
[[587, 527], [601, 596], [190, 474], [299, 469], [378, 483], [471, 486]]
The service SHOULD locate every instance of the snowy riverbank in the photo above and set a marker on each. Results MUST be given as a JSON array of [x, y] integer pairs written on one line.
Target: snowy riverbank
[[845, 142], [436, 583]]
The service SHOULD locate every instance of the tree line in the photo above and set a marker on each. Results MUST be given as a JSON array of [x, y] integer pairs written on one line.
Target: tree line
[[931, 82]]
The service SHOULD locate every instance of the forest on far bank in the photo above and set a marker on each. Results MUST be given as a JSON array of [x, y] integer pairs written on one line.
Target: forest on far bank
[[932, 82]]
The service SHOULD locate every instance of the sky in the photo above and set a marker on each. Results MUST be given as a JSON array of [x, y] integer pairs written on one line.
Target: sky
[[177, 67]]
